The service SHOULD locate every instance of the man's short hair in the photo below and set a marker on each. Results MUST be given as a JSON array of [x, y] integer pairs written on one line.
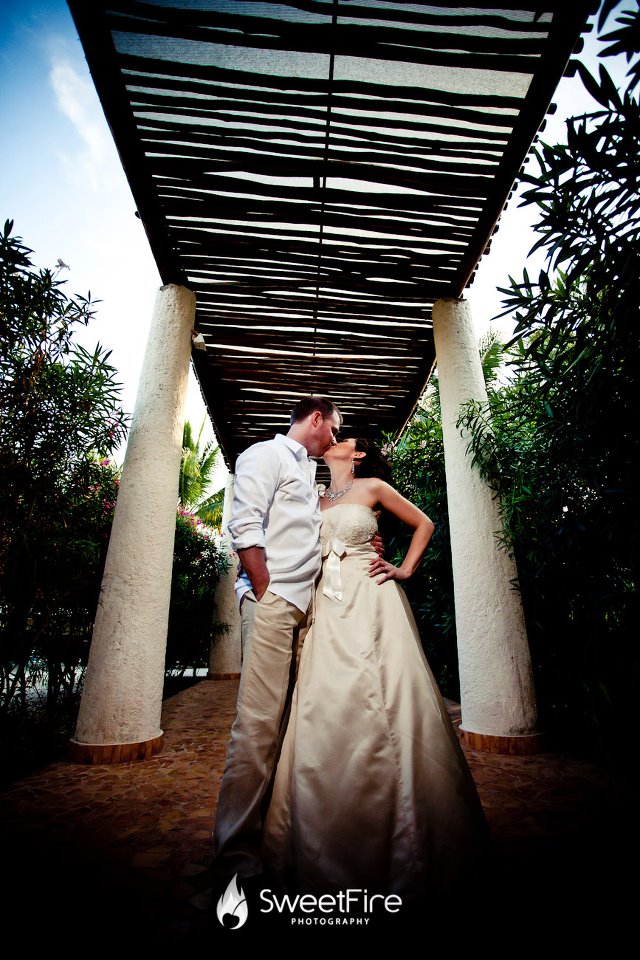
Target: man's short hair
[[309, 405]]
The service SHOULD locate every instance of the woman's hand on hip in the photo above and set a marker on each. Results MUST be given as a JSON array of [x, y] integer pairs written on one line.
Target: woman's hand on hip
[[378, 567]]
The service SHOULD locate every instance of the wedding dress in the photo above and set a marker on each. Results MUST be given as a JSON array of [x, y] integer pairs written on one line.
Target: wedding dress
[[372, 789]]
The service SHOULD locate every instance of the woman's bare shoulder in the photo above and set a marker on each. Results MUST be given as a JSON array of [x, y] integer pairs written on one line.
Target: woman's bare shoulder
[[375, 485]]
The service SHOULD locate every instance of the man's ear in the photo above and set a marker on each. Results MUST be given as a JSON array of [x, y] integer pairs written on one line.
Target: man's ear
[[316, 418]]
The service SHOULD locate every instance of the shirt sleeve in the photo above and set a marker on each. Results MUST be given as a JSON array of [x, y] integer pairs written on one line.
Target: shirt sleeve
[[255, 484]]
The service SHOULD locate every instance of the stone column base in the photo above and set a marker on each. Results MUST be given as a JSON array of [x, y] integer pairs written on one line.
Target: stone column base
[[515, 746], [114, 752]]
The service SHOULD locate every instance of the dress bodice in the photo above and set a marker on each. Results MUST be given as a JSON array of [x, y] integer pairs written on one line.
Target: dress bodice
[[353, 523]]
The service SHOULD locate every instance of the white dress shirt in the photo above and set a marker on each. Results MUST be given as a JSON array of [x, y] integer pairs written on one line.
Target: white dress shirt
[[275, 506]]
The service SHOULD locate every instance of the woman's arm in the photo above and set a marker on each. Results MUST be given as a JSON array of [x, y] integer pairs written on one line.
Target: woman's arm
[[423, 529]]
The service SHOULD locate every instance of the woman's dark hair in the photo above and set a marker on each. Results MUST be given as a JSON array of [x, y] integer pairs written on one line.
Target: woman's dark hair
[[375, 464]]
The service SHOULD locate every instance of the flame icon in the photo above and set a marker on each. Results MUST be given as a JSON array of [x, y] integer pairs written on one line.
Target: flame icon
[[232, 905]]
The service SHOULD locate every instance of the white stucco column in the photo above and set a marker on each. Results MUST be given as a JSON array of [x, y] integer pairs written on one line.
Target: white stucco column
[[224, 656], [119, 716], [496, 681]]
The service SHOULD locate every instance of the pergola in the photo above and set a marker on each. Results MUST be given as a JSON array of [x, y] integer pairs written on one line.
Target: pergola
[[318, 180], [319, 173]]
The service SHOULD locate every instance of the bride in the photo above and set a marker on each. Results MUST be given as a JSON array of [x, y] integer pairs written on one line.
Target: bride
[[372, 788]]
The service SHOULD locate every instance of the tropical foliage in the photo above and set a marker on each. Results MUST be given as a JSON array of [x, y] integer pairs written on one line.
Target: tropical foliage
[[198, 561], [418, 471], [60, 421], [559, 438], [60, 417], [417, 460], [560, 443], [197, 468]]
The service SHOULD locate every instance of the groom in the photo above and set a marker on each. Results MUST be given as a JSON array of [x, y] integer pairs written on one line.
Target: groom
[[275, 529]]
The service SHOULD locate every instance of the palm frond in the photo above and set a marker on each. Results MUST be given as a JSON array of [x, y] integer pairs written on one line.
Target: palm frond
[[210, 511], [197, 467]]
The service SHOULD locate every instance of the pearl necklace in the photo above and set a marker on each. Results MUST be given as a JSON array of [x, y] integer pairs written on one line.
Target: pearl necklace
[[339, 493]]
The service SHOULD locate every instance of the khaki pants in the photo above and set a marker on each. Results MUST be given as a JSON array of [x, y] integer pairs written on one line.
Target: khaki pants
[[270, 659], [248, 607]]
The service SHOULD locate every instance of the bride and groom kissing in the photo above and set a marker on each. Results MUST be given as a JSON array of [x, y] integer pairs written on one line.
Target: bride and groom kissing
[[343, 768]]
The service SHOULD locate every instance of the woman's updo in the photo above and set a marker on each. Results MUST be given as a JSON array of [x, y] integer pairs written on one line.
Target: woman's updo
[[374, 464]]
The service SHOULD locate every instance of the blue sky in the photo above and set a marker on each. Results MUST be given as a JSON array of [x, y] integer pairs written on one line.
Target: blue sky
[[62, 183]]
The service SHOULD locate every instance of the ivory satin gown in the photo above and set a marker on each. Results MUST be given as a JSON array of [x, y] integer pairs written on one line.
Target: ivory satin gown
[[372, 789]]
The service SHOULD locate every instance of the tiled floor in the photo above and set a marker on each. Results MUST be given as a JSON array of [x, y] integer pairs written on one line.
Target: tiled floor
[[121, 853]]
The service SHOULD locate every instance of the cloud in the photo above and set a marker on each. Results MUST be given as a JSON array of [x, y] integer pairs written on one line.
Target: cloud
[[78, 101]]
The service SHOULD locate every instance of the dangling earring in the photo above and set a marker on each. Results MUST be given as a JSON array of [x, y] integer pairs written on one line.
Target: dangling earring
[[353, 466]]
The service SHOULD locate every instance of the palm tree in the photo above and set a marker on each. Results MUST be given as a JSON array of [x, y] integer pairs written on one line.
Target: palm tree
[[196, 471]]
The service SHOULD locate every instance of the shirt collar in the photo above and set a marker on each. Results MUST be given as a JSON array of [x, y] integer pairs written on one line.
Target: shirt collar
[[299, 451]]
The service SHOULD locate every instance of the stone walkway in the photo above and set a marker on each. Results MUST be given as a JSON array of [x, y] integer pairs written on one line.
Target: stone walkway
[[121, 854]]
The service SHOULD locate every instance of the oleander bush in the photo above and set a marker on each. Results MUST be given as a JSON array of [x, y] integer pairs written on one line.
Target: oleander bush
[[61, 421], [559, 439], [560, 443]]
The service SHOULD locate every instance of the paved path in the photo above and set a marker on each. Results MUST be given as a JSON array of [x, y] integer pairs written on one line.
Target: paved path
[[121, 853]]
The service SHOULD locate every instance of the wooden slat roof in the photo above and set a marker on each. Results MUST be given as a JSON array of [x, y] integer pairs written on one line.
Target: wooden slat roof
[[319, 172]]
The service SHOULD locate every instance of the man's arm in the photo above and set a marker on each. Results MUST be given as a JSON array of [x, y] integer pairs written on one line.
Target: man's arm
[[255, 484], [255, 566], [378, 544]]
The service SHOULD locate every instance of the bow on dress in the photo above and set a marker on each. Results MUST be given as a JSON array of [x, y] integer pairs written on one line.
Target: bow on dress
[[334, 550]]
